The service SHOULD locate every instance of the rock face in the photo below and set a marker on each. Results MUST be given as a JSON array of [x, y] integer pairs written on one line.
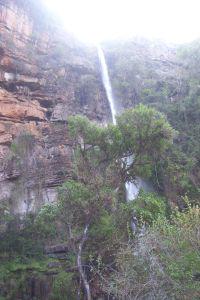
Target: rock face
[[142, 70], [45, 76], [165, 77]]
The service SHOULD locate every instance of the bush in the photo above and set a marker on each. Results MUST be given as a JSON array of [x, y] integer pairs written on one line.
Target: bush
[[63, 287], [149, 206], [164, 263]]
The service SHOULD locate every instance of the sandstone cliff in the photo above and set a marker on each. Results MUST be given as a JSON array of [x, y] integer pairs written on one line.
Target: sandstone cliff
[[45, 76]]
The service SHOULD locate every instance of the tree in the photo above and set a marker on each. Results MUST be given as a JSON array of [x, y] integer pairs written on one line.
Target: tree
[[146, 135], [89, 203], [100, 166], [87, 198]]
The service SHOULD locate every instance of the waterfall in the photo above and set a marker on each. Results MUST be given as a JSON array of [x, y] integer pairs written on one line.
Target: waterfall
[[106, 83], [132, 189]]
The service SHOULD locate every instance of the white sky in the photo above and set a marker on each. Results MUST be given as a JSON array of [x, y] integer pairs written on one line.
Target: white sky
[[175, 21]]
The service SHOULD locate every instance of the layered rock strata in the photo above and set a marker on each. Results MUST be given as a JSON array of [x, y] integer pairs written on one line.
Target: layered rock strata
[[45, 76]]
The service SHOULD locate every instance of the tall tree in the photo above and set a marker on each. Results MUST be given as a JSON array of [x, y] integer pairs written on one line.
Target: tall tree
[[88, 204]]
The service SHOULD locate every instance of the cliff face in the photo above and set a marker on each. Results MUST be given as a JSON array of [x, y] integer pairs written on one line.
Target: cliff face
[[165, 77], [145, 71], [45, 76]]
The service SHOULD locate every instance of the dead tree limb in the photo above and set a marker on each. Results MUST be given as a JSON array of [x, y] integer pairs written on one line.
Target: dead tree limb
[[79, 263]]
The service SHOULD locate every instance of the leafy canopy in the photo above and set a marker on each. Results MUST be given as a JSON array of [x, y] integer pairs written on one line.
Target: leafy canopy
[[142, 133]]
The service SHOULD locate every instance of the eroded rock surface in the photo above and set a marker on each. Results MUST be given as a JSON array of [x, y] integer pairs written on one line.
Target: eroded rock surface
[[45, 76]]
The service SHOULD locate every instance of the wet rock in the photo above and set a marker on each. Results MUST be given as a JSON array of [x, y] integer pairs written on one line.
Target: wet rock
[[42, 70]]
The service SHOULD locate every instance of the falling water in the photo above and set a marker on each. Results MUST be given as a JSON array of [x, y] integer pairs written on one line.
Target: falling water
[[132, 189], [106, 83]]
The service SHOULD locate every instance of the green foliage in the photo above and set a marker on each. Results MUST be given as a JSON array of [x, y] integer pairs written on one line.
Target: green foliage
[[104, 229], [78, 202], [45, 221], [5, 215], [142, 132], [63, 287], [80, 126], [20, 237], [182, 162], [161, 264], [15, 274], [181, 258], [91, 209], [145, 131], [149, 207], [146, 135], [19, 264]]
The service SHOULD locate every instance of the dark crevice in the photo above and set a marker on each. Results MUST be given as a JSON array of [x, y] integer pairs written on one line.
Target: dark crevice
[[48, 114], [46, 103]]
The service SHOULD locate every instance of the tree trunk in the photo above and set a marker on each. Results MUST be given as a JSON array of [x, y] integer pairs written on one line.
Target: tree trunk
[[79, 263]]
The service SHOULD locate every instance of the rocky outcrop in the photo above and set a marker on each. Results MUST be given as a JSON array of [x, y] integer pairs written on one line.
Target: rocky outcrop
[[45, 76]]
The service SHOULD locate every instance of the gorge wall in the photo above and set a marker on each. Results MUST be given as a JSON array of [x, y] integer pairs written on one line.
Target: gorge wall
[[45, 76], [165, 77]]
